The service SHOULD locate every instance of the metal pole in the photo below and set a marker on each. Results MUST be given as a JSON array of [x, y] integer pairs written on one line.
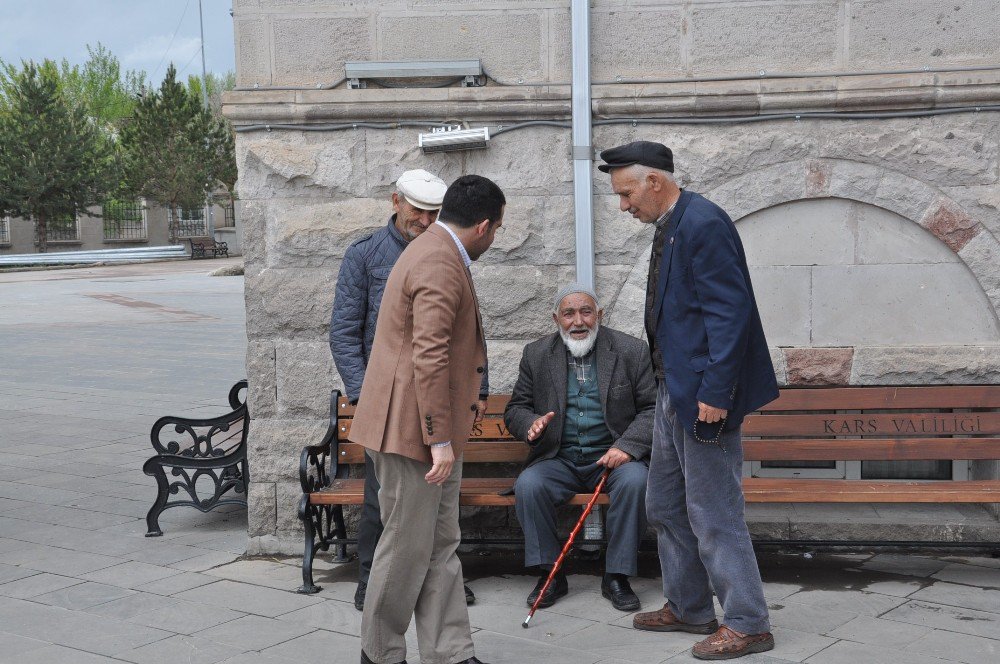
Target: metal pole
[[209, 212], [583, 151]]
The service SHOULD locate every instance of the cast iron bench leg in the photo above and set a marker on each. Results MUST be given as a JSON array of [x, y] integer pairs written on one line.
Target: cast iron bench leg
[[153, 516]]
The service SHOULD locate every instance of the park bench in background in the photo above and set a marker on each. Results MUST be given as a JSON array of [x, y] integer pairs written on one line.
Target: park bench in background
[[200, 454], [202, 246], [803, 424]]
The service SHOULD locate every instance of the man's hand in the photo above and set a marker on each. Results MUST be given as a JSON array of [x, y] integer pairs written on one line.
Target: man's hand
[[710, 414], [613, 458], [480, 410], [538, 426], [443, 460]]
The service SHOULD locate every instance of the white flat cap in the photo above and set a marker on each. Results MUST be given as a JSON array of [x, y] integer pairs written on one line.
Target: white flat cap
[[422, 189]]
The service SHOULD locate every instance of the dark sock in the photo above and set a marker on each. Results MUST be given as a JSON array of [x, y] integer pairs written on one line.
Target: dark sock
[[613, 577]]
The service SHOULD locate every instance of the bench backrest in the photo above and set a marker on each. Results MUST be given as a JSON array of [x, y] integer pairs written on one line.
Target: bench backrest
[[840, 423]]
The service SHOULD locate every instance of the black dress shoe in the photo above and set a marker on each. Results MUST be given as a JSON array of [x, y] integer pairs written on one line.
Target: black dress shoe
[[558, 588], [359, 596], [365, 660], [470, 597], [616, 588], [471, 660]]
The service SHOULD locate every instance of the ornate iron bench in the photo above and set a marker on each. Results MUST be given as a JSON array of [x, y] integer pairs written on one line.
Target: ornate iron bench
[[200, 246], [200, 454], [803, 424]]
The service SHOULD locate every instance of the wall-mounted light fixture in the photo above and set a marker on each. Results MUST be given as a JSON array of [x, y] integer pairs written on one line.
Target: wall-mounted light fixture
[[452, 137], [469, 71]]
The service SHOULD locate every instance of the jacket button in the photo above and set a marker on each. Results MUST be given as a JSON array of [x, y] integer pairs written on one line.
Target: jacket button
[[479, 370], [473, 407]]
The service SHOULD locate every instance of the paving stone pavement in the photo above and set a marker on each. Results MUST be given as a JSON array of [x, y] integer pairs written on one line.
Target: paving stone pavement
[[83, 377]]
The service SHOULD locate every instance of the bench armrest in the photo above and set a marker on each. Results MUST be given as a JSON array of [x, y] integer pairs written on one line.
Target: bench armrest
[[318, 463], [200, 438]]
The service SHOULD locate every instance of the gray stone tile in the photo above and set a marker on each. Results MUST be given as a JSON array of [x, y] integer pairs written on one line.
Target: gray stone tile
[[252, 599], [206, 561], [755, 658], [857, 602], [260, 572], [176, 584], [879, 632], [981, 561], [846, 652], [166, 613], [257, 658], [982, 599], [39, 584], [957, 647], [796, 646], [546, 625], [83, 596], [904, 564], [186, 649], [13, 572], [130, 574], [52, 653], [493, 647], [612, 641], [12, 646], [332, 615], [317, 646], [970, 575], [948, 618], [255, 632], [896, 588], [806, 617]]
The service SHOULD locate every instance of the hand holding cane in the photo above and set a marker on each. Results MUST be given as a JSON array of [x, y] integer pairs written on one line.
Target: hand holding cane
[[569, 543]]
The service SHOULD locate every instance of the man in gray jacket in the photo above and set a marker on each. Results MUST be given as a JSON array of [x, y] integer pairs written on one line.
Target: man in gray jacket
[[360, 284], [584, 402]]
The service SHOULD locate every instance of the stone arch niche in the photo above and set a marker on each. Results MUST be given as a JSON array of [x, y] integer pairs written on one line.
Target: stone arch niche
[[863, 275]]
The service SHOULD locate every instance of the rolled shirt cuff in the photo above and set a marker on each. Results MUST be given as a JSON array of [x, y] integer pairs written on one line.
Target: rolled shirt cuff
[[444, 444]]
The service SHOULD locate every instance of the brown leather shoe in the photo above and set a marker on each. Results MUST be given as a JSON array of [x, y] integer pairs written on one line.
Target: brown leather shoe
[[727, 644], [664, 620]]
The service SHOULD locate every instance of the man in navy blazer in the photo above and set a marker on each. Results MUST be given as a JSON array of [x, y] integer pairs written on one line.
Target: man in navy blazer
[[713, 367]]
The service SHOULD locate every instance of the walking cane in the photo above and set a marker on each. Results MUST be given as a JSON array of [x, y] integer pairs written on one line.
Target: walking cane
[[569, 543]]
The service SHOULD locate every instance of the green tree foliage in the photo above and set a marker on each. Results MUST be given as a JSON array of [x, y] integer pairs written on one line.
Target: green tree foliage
[[171, 149], [53, 160], [107, 96], [226, 150]]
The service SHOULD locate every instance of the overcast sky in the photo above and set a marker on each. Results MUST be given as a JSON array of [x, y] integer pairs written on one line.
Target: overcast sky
[[143, 34]]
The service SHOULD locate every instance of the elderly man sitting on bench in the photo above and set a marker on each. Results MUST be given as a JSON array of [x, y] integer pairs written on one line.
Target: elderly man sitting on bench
[[583, 402]]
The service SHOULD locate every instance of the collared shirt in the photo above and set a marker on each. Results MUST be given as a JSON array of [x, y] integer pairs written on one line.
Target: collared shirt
[[458, 243], [659, 239]]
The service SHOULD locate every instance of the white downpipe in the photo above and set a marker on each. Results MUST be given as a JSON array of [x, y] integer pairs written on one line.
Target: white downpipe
[[583, 151]]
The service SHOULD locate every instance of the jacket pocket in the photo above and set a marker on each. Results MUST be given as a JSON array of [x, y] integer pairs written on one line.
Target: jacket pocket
[[699, 362]]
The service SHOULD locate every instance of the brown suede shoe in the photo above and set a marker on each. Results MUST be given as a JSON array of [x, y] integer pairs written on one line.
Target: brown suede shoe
[[727, 644], [664, 620]]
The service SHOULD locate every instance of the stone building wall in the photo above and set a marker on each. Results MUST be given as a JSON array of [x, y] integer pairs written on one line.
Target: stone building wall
[[874, 243]]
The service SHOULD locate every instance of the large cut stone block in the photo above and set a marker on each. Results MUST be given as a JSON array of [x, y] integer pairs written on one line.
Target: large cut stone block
[[294, 164], [505, 357], [306, 375], [521, 238], [900, 304], [887, 238], [262, 399], [253, 48], [818, 366], [516, 301], [627, 311], [307, 234], [292, 303], [275, 447], [510, 43], [783, 299], [982, 255], [910, 33], [313, 49], [786, 36], [389, 153], [252, 215], [261, 513], [528, 162], [618, 237], [917, 365], [652, 52], [808, 232]]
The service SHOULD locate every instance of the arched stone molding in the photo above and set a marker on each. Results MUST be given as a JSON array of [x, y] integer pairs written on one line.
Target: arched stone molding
[[913, 199]]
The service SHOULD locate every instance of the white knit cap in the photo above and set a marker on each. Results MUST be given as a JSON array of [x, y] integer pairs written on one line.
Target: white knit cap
[[569, 289]]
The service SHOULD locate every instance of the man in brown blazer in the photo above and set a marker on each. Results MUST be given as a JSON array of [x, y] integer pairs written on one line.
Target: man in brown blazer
[[417, 406]]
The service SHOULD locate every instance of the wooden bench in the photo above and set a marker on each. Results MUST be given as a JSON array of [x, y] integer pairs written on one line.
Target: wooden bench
[[803, 424], [201, 246], [200, 454]]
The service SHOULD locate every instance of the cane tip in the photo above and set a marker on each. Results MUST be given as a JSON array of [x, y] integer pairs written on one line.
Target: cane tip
[[525, 623]]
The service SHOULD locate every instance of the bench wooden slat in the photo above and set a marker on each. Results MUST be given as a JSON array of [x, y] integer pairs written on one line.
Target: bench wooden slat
[[822, 424], [802, 449], [836, 398], [485, 491]]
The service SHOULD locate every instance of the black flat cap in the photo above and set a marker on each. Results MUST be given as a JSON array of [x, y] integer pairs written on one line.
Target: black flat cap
[[647, 153]]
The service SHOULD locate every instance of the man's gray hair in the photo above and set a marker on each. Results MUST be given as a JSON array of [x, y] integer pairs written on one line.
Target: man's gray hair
[[638, 171], [570, 289]]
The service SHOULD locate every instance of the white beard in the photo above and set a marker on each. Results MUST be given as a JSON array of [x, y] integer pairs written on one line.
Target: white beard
[[580, 347]]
